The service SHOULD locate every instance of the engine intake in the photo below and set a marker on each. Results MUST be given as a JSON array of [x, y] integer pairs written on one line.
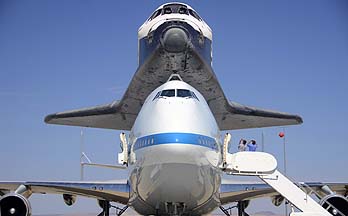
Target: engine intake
[[335, 204], [14, 205]]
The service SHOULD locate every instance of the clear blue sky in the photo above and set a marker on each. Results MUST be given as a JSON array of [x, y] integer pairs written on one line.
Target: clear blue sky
[[57, 55]]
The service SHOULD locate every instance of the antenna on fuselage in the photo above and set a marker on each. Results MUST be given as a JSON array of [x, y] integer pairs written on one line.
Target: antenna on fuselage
[[173, 77], [83, 156]]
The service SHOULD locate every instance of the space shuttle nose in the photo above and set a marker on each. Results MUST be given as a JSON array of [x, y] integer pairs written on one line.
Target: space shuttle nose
[[175, 40]]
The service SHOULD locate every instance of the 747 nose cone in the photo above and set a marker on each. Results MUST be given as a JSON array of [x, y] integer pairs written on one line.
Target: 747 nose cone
[[175, 40]]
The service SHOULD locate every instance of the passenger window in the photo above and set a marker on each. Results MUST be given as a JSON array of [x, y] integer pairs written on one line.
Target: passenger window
[[168, 93], [184, 93]]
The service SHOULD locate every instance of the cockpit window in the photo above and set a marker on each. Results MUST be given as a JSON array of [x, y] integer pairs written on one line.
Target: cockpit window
[[183, 10], [167, 10], [168, 93], [194, 96], [183, 93], [175, 8], [194, 14], [157, 95], [155, 14]]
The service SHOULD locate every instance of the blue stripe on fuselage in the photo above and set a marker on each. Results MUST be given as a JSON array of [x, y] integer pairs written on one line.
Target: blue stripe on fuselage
[[176, 138]]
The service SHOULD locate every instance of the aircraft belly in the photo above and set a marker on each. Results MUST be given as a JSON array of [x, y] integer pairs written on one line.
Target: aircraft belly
[[190, 179]]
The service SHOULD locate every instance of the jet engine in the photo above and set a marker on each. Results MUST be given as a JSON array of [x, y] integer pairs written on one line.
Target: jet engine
[[14, 204], [277, 200], [69, 199], [335, 204]]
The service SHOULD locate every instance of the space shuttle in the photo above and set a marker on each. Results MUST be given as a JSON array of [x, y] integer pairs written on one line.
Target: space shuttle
[[174, 40]]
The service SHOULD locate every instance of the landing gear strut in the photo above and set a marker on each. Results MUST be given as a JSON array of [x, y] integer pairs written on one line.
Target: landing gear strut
[[241, 205], [241, 208], [105, 205]]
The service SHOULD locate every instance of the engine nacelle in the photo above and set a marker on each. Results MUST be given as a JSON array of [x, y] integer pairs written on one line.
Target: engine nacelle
[[277, 200], [14, 204], [69, 199], [338, 204]]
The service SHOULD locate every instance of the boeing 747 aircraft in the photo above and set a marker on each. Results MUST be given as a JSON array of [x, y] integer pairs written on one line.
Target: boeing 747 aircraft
[[175, 109]]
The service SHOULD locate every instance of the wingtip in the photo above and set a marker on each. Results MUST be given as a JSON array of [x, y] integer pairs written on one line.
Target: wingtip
[[299, 119], [48, 118]]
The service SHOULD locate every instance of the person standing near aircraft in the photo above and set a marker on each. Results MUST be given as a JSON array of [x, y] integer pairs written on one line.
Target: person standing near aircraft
[[242, 145], [252, 146]]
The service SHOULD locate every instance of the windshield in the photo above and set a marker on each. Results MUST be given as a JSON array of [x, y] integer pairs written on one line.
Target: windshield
[[168, 93], [175, 8], [183, 93]]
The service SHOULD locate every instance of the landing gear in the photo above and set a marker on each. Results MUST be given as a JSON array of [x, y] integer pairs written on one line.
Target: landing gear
[[120, 211], [227, 211], [241, 206], [105, 205]]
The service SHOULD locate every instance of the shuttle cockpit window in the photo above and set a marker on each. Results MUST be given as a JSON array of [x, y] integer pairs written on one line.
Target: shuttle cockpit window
[[195, 15], [175, 8], [167, 10], [183, 10], [155, 14], [168, 93]]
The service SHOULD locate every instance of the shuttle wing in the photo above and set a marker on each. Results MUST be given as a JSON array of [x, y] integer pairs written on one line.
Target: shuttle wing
[[233, 192], [239, 116], [120, 115], [109, 116], [111, 191]]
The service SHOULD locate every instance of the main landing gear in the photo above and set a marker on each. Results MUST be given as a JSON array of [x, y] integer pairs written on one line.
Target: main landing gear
[[241, 206], [105, 205]]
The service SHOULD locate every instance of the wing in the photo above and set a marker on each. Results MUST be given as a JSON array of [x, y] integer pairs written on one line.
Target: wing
[[241, 116], [120, 115], [111, 191], [109, 116], [233, 192]]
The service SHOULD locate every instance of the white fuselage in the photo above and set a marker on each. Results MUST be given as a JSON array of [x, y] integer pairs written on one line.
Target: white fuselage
[[176, 142], [175, 148]]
